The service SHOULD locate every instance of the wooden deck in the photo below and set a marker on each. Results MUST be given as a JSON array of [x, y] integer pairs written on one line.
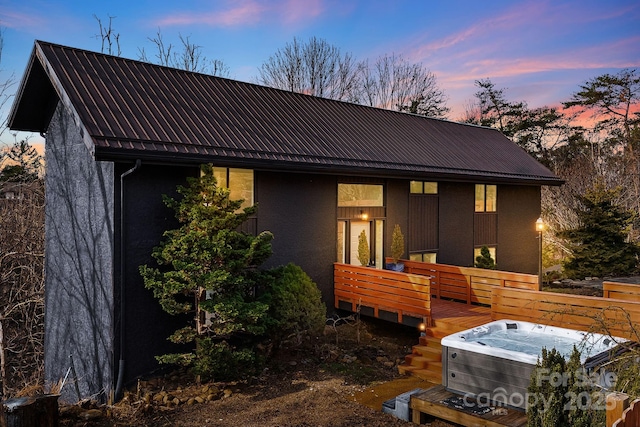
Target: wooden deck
[[432, 402], [449, 317]]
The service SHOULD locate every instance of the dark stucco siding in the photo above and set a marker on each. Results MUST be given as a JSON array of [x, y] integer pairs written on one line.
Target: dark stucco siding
[[146, 219], [518, 210], [300, 211], [78, 263], [456, 223]]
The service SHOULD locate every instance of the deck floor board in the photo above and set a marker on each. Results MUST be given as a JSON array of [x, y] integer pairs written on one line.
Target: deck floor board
[[456, 316]]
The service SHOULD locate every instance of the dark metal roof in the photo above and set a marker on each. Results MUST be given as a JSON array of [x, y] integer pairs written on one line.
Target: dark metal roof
[[135, 109]]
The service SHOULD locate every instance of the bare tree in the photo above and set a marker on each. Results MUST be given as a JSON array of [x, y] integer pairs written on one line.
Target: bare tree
[[21, 276], [396, 84], [190, 58], [315, 68], [5, 92], [110, 41]]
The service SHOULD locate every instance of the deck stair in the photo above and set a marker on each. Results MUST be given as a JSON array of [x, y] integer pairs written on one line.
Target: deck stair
[[425, 360]]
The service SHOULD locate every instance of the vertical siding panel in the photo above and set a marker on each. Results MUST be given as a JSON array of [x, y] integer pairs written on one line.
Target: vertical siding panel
[[485, 226], [423, 223]]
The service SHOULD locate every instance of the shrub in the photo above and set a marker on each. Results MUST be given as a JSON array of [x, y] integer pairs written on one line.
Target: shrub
[[561, 393], [397, 244], [546, 396], [295, 303], [364, 255], [484, 260], [223, 362]]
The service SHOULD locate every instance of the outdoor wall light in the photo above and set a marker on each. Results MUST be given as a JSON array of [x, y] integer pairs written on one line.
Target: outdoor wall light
[[364, 216], [539, 229]]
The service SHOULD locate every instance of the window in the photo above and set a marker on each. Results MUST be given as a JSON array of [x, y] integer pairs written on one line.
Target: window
[[360, 195], [423, 187], [238, 181], [424, 257], [486, 198]]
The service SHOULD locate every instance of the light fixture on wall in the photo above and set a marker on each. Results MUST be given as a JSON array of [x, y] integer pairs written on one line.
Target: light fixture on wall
[[363, 216], [539, 229]]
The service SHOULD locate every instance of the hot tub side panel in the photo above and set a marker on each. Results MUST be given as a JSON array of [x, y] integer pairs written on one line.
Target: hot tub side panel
[[486, 377]]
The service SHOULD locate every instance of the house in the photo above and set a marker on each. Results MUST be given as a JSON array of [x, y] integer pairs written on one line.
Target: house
[[121, 133]]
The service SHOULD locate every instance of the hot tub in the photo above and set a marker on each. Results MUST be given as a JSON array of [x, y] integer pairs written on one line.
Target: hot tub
[[494, 361]]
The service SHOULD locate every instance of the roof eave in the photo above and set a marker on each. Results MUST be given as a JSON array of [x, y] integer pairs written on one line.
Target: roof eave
[[155, 157]]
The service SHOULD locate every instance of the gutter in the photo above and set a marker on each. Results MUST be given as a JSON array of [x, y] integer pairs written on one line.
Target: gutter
[[121, 362]]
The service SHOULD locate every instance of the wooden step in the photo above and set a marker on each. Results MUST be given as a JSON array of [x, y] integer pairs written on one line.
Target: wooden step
[[425, 374], [430, 341], [421, 361], [441, 329], [430, 352]]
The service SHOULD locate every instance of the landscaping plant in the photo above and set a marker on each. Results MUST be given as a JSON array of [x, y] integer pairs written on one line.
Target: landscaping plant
[[600, 245], [484, 260], [364, 254], [208, 256], [561, 393], [397, 244]]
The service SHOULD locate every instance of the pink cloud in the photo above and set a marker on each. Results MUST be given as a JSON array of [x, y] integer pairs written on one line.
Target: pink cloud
[[250, 12], [16, 20], [294, 11], [245, 12]]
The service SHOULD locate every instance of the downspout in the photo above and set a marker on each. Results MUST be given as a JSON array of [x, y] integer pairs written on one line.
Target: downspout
[[121, 363]]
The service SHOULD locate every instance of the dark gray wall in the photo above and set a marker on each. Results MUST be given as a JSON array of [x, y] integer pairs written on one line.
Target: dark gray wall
[[79, 244], [518, 210], [456, 223], [146, 219], [300, 211]]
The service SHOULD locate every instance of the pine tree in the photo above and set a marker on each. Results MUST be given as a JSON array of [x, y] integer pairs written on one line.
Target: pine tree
[[582, 398], [208, 253], [547, 391], [600, 245]]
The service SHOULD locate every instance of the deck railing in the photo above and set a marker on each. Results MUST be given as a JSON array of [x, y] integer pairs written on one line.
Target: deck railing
[[382, 293], [616, 317], [618, 290], [468, 284]]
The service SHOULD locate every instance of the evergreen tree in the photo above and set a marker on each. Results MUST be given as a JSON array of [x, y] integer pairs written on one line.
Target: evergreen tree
[[582, 399], [600, 245], [208, 254], [547, 391], [484, 260], [364, 254]]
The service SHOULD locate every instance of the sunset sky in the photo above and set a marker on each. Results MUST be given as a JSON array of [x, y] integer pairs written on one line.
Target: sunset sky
[[539, 51]]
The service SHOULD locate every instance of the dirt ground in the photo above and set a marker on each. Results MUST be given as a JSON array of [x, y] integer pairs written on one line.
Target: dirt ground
[[331, 380]]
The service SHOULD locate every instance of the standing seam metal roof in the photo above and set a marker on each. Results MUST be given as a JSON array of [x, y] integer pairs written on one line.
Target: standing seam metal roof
[[135, 107]]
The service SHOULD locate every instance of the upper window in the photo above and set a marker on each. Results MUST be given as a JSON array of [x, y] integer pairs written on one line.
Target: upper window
[[238, 181], [486, 198], [423, 187], [360, 195]]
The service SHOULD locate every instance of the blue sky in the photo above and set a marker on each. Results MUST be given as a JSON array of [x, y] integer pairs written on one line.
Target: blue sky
[[540, 51]]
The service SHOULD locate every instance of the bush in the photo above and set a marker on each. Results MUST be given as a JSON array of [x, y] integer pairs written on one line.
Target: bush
[[295, 303], [484, 260], [222, 362], [561, 394]]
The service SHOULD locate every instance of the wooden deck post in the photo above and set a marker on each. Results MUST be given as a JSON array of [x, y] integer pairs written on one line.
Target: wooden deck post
[[616, 404]]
